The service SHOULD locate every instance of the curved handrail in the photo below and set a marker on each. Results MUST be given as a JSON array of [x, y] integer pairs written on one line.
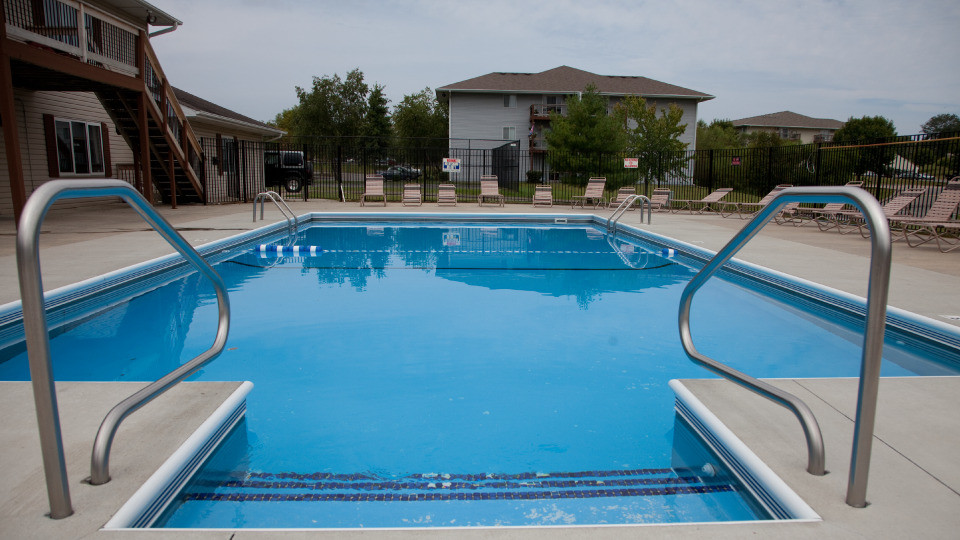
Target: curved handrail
[[285, 209], [624, 206], [873, 336], [37, 334]]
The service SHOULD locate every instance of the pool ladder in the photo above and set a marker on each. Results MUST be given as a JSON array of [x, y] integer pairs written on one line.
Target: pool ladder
[[876, 313], [285, 210], [624, 206], [37, 335]]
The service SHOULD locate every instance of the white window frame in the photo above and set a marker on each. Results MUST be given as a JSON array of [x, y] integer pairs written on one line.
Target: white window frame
[[510, 101], [509, 133], [68, 151]]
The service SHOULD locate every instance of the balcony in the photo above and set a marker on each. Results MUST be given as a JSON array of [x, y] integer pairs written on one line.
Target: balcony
[[77, 30], [540, 111]]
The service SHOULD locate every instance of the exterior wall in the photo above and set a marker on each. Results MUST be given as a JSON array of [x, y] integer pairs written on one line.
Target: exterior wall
[[483, 116], [806, 135], [30, 108]]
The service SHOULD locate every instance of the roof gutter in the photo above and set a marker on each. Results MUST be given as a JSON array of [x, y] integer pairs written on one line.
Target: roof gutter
[[162, 31]]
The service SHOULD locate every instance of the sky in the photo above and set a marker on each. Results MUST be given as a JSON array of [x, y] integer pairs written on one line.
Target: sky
[[820, 58]]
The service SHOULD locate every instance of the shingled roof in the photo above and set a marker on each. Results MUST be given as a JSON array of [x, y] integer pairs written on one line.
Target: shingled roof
[[787, 119], [199, 104], [568, 80]]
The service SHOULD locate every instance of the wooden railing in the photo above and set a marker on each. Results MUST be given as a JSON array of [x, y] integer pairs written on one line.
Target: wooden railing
[[106, 41]]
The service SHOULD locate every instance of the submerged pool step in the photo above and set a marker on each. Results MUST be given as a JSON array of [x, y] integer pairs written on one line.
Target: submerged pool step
[[463, 487]]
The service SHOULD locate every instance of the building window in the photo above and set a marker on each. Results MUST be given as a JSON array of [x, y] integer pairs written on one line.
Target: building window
[[79, 147], [551, 100], [510, 100], [510, 133]]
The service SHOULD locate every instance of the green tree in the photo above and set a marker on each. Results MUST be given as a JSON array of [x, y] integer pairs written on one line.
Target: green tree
[[333, 107], [719, 134], [579, 139], [654, 139], [376, 127], [864, 131], [941, 123], [420, 120]]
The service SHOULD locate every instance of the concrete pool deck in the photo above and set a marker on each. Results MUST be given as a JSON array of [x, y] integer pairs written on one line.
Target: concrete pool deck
[[915, 476]]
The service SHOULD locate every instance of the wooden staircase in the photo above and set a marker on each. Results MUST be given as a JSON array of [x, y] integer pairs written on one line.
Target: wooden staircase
[[172, 149]]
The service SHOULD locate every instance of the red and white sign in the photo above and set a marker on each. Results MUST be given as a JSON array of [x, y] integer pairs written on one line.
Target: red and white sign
[[631, 163], [451, 165], [735, 161]]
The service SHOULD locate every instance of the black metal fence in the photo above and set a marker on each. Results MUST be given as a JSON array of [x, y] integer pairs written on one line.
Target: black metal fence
[[234, 170]]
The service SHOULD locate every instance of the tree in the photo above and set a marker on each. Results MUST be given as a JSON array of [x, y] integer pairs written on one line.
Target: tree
[[376, 126], [654, 139], [420, 120], [333, 107], [718, 135], [578, 140], [941, 123], [864, 131]]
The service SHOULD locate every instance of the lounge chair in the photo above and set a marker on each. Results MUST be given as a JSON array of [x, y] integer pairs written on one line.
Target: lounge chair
[[489, 189], [750, 209], [622, 195], [543, 195], [411, 195], [373, 189], [593, 193], [447, 194], [853, 218], [937, 224], [660, 200], [796, 214], [708, 203]]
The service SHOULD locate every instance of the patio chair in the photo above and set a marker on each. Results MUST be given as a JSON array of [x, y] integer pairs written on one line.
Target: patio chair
[[622, 195], [411, 195], [447, 194], [660, 200], [937, 224], [543, 195], [489, 189], [373, 189], [796, 214], [853, 218], [749, 209], [593, 193], [707, 202]]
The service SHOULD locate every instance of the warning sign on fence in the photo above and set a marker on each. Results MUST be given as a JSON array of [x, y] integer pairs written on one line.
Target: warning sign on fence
[[451, 165], [631, 163]]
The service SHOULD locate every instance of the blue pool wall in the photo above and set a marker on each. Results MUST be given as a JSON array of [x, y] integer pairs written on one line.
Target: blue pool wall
[[75, 301]]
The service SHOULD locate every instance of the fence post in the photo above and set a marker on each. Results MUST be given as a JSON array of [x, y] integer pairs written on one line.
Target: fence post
[[338, 173], [816, 171], [710, 172]]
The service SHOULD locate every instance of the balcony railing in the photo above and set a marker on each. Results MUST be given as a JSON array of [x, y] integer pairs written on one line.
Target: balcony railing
[[543, 111], [107, 42]]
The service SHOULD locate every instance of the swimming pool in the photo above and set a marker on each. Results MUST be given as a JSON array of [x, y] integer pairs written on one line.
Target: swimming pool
[[460, 360]]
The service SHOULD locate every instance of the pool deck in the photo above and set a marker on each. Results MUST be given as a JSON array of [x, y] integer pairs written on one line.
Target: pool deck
[[914, 487]]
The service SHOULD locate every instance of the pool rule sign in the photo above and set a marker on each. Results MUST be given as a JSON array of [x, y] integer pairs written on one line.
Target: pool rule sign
[[451, 165]]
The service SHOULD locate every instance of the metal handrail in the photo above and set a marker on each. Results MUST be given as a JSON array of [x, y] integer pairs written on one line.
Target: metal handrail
[[624, 206], [38, 340], [285, 209], [878, 286]]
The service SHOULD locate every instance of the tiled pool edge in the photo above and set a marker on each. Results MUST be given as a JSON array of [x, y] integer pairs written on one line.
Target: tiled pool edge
[[153, 497], [771, 491]]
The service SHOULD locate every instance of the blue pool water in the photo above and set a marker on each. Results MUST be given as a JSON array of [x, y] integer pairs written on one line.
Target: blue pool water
[[461, 375]]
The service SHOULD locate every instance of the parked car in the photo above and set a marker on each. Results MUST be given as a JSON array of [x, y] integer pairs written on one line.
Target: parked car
[[399, 172], [287, 168]]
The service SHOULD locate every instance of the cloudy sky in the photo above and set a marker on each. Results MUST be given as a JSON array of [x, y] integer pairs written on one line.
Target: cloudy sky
[[821, 58]]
